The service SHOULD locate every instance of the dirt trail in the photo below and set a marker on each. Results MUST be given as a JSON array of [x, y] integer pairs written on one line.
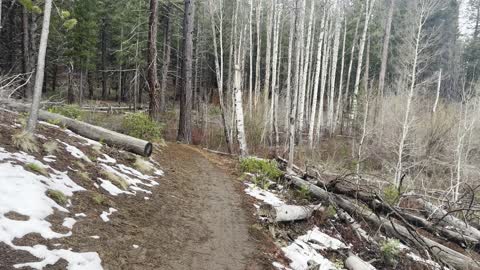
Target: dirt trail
[[193, 220]]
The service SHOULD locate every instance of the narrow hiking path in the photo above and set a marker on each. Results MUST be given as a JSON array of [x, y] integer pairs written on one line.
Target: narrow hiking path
[[193, 220]]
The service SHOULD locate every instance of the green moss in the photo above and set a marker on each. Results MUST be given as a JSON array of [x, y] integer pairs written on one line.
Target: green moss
[[330, 212], [304, 192], [36, 168], [57, 196]]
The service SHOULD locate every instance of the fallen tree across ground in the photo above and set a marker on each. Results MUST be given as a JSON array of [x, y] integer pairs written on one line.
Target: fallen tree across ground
[[111, 138], [436, 238]]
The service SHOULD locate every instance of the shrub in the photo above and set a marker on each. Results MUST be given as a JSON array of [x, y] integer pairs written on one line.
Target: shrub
[[304, 192], [37, 168], [261, 167], [330, 212], [57, 196], [391, 195], [25, 142], [390, 249], [139, 125], [70, 111]]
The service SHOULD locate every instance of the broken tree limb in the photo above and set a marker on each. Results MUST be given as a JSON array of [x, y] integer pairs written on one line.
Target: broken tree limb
[[284, 213], [448, 256], [111, 138]]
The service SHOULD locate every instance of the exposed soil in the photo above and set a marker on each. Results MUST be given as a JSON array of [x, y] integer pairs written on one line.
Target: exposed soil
[[196, 218]]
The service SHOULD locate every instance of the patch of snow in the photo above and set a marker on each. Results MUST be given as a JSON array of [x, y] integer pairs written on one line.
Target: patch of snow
[[69, 222], [263, 195], [104, 215], [111, 188], [305, 249], [107, 159], [135, 246], [280, 266], [75, 151], [48, 124], [80, 215], [96, 185], [140, 189], [146, 198], [95, 237], [87, 140], [50, 158], [24, 192], [159, 172], [76, 261], [41, 136], [133, 172]]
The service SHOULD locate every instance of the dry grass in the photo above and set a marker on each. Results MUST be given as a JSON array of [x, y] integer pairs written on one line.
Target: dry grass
[[25, 142], [115, 179], [143, 166], [50, 147], [36, 168]]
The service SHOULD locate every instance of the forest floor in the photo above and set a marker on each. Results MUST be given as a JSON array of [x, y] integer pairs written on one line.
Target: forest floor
[[196, 217]]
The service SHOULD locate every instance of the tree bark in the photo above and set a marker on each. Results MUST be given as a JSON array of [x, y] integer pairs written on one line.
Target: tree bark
[[37, 93], [185, 122], [167, 35], [152, 79]]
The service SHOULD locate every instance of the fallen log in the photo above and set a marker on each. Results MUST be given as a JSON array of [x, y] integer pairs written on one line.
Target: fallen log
[[111, 138], [353, 262], [284, 213], [446, 255]]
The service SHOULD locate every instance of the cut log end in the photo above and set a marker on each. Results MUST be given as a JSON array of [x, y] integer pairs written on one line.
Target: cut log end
[[148, 150]]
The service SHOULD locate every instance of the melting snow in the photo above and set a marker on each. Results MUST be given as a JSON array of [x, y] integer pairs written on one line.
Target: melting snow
[[69, 222], [111, 188], [107, 159], [80, 215], [75, 151], [95, 237], [49, 158], [87, 140], [25, 193], [135, 246], [104, 215]]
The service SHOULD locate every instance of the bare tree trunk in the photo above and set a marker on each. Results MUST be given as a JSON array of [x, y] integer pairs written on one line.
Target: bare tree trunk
[[37, 93], [299, 18], [304, 72], [340, 97], [276, 32], [258, 57], [250, 63], [350, 65], [185, 123], [323, 82], [268, 57], [167, 35], [288, 90], [386, 43], [152, 79], [311, 126], [368, 11], [104, 58], [437, 96], [27, 55], [219, 70], [237, 82], [365, 112], [333, 72]]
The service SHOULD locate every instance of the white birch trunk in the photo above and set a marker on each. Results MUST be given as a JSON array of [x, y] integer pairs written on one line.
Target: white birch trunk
[[300, 11], [311, 126], [268, 56], [303, 78], [288, 90], [250, 63], [333, 73], [439, 84], [285, 213], [258, 58], [323, 81], [237, 84], [276, 32]]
